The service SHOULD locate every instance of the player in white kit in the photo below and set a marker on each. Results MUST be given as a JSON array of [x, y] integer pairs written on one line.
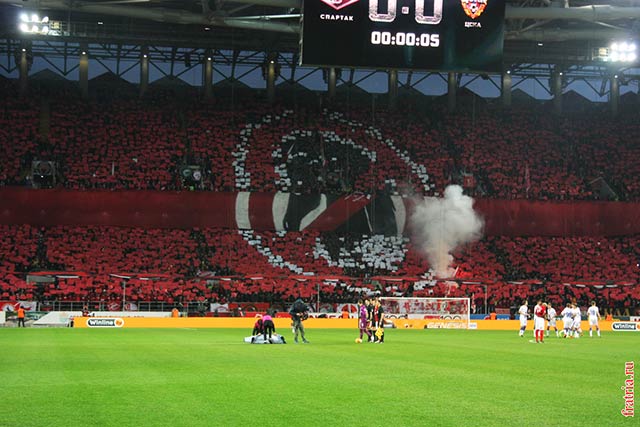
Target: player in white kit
[[523, 312], [551, 317], [567, 320], [594, 317], [577, 321]]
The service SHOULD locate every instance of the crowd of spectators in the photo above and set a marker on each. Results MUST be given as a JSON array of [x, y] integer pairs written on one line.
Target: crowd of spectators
[[128, 143], [19, 136], [214, 265], [116, 145], [122, 142]]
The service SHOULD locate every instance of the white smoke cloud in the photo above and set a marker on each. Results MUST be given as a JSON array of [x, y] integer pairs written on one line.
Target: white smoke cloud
[[441, 225]]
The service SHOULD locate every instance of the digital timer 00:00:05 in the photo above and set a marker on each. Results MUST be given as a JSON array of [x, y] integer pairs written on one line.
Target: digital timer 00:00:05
[[385, 38]]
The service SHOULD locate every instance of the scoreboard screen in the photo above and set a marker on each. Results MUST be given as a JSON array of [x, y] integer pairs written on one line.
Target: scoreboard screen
[[447, 35]]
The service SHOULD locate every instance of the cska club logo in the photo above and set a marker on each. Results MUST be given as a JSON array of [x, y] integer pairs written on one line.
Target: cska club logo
[[339, 4], [473, 8]]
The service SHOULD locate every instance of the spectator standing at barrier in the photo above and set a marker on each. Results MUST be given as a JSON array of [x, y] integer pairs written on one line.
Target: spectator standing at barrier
[[20, 316], [268, 327], [299, 312]]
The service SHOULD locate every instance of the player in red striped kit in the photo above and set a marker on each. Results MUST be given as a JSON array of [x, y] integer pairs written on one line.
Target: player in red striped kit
[[539, 312]]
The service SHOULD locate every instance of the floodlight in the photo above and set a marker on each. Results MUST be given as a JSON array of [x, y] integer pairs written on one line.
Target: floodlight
[[45, 20], [24, 27], [45, 29], [35, 29], [624, 51], [24, 17], [35, 18]]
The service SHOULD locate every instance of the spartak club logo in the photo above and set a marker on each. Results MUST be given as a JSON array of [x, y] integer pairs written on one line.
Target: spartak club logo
[[474, 8], [339, 4]]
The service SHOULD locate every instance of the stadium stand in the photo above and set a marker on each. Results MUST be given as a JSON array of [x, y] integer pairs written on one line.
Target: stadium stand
[[117, 143], [173, 266], [121, 143]]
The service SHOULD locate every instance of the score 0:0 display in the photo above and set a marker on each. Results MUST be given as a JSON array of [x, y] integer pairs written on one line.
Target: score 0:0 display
[[392, 9]]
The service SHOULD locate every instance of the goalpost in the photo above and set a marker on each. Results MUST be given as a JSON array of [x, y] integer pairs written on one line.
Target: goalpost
[[447, 313]]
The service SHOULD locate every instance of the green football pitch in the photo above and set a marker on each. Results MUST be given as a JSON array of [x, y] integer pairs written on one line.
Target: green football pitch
[[209, 377]]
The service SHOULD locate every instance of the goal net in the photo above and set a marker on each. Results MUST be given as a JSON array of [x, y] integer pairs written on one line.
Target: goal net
[[449, 313]]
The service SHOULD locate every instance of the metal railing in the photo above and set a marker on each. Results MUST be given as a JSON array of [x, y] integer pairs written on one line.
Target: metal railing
[[138, 306]]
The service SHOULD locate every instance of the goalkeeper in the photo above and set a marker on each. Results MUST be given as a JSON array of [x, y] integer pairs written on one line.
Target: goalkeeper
[[299, 312]]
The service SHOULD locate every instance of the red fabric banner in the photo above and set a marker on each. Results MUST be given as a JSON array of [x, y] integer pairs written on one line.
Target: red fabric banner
[[155, 209]]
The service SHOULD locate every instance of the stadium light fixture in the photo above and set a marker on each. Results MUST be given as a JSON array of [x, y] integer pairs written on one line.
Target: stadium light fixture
[[622, 51], [32, 24]]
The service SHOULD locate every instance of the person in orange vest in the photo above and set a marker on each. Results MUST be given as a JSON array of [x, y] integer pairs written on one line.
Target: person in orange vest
[[175, 312], [20, 316]]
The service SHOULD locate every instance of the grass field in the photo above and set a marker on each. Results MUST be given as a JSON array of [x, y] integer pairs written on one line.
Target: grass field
[[209, 377]]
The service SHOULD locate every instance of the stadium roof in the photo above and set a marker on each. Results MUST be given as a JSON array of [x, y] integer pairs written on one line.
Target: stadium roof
[[560, 32], [572, 25]]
